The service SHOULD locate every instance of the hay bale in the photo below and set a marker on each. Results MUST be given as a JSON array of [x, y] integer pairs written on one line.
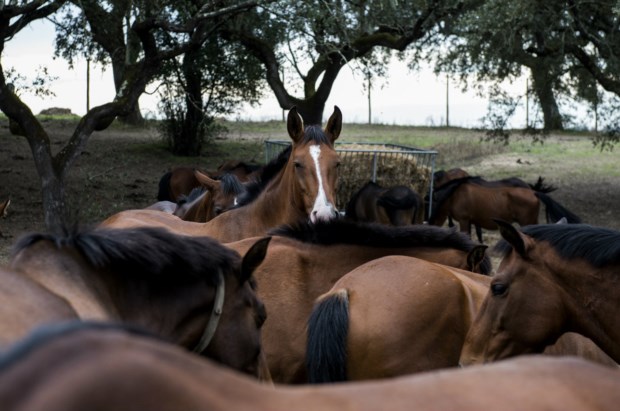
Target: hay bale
[[393, 167]]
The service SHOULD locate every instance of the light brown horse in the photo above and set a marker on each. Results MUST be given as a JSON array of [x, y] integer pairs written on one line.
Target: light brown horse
[[95, 368], [396, 205], [191, 290], [25, 305], [305, 260], [552, 279], [399, 315], [302, 189], [469, 201]]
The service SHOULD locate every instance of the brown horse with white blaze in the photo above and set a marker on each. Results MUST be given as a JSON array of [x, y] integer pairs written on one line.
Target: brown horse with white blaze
[[303, 189], [553, 279]]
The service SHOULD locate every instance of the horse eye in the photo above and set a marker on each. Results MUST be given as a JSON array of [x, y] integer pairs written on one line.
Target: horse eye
[[297, 164], [218, 210], [498, 289], [338, 164]]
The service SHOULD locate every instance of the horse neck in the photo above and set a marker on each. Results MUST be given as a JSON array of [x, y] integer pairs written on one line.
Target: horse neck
[[593, 304], [65, 274]]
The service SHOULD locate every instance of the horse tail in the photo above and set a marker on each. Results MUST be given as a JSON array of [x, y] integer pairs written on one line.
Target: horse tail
[[164, 188], [541, 187], [328, 327], [555, 211]]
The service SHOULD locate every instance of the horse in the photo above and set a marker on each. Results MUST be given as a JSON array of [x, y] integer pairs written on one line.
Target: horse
[[552, 279], [303, 188], [305, 260], [95, 367], [441, 177], [25, 305], [212, 198], [396, 205], [181, 180], [469, 200], [399, 315], [191, 290]]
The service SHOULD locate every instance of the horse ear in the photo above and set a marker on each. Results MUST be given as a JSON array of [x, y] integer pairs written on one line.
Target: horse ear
[[208, 182], [512, 235], [475, 257], [562, 220], [4, 206], [253, 257], [334, 124], [295, 125]]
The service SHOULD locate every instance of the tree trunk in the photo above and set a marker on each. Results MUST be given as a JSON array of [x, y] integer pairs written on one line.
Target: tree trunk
[[543, 87], [311, 110], [189, 141], [134, 117]]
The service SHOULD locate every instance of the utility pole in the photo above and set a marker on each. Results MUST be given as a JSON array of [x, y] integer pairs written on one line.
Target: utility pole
[[369, 84], [527, 103], [88, 84], [447, 100]]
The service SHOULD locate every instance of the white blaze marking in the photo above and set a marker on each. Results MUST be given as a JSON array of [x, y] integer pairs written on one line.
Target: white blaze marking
[[324, 210]]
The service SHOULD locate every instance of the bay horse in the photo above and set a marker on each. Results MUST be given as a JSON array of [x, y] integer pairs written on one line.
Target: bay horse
[[305, 260], [552, 279], [212, 198], [94, 367], [181, 180], [193, 291], [396, 205], [399, 315], [469, 200], [303, 188]]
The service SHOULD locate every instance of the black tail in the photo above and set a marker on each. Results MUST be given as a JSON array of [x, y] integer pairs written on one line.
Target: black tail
[[555, 211], [328, 327], [164, 188], [541, 187]]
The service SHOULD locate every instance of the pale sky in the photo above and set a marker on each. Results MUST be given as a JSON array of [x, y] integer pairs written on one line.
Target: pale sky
[[407, 98]]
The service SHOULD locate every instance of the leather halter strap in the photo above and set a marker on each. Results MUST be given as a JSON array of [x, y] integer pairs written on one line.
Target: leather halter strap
[[218, 303]]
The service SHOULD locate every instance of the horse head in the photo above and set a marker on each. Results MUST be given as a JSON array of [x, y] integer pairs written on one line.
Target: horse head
[[315, 165]]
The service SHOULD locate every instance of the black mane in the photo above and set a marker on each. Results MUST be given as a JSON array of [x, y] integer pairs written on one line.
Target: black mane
[[253, 189], [379, 235], [231, 184], [597, 245], [147, 252]]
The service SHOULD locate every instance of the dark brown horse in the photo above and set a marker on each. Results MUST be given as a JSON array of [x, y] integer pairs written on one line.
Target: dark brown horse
[[552, 279], [470, 200], [398, 315], [303, 188], [304, 261], [92, 367], [397, 205], [192, 291]]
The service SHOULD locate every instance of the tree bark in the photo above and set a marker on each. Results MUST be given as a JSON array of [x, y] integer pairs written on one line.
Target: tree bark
[[189, 141], [543, 87]]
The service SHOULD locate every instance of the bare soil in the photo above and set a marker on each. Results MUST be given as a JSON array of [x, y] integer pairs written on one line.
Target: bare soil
[[121, 168]]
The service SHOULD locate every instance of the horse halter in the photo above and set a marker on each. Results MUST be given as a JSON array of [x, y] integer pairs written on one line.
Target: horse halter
[[218, 303]]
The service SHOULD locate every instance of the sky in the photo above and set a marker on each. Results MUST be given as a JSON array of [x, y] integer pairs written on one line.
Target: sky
[[401, 98]]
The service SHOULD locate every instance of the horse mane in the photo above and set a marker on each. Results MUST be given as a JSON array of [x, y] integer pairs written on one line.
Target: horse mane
[[398, 198], [599, 246], [443, 193], [378, 235], [541, 187], [231, 184], [43, 334], [146, 252], [192, 196], [314, 134], [271, 169]]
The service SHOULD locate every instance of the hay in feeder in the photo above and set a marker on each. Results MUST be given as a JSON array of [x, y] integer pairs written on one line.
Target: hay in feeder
[[392, 168]]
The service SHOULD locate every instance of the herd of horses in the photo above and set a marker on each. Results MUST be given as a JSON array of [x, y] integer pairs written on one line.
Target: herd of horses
[[245, 288]]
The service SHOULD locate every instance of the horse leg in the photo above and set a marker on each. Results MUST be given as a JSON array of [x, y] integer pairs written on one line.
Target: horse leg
[[479, 233]]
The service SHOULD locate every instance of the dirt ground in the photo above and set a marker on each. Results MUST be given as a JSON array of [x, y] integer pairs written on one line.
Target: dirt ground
[[121, 168]]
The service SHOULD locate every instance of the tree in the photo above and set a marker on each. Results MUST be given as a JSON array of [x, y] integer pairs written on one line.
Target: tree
[[149, 28], [314, 40], [99, 31], [210, 81]]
